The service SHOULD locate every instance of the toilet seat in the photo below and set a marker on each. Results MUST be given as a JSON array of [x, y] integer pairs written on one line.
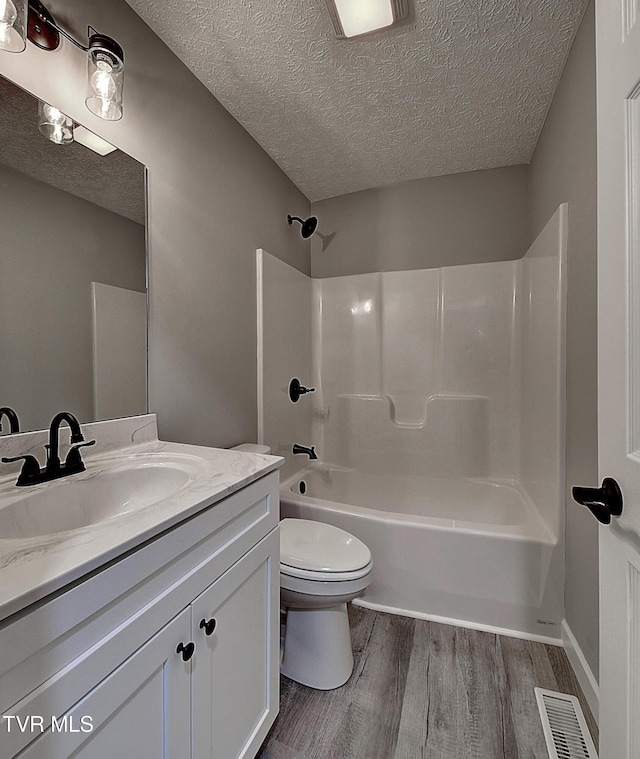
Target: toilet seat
[[306, 574], [320, 551], [318, 589]]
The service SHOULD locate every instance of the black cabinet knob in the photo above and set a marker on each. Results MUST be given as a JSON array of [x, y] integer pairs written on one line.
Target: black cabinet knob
[[208, 625], [186, 651], [603, 502]]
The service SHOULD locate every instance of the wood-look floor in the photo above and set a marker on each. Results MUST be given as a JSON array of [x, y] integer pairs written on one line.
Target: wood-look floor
[[422, 690]]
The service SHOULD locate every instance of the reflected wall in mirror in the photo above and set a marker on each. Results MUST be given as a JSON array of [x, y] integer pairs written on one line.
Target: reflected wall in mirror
[[72, 274]]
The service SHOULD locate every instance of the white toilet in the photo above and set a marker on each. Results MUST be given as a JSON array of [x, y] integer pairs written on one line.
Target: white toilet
[[322, 568]]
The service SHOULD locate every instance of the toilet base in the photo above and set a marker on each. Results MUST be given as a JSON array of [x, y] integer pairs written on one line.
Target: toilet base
[[317, 647]]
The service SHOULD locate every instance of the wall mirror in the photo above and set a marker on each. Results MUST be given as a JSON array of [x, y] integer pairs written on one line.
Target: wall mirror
[[73, 319]]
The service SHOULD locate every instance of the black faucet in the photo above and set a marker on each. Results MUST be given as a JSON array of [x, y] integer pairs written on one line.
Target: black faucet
[[11, 415], [31, 473], [311, 452]]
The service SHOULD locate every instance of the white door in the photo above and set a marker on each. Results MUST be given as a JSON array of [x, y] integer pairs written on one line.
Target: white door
[[618, 92]]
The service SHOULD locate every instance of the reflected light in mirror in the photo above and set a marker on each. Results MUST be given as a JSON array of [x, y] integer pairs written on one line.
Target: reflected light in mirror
[[92, 141], [53, 124]]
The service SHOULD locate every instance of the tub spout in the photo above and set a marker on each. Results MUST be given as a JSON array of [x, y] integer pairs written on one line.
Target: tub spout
[[311, 452]]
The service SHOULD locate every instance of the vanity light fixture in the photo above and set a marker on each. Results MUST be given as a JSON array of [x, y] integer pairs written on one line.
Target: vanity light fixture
[[352, 18], [13, 25], [105, 57], [54, 125]]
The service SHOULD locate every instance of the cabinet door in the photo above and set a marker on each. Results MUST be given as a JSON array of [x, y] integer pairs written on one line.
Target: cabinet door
[[140, 710], [236, 666]]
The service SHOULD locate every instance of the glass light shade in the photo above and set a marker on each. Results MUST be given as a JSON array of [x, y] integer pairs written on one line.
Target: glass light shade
[[105, 78], [13, 25], [54, 125], [362, 16]]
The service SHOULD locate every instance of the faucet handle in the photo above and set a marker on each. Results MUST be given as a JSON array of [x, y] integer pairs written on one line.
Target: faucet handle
[[30, 468], [28, 460], [296, 390], [73, 456]]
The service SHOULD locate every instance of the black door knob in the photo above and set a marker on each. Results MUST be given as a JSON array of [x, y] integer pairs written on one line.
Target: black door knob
[[603, 502], [186, 651]]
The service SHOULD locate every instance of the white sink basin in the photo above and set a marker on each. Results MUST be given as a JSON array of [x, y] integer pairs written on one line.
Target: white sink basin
[[103, 492]]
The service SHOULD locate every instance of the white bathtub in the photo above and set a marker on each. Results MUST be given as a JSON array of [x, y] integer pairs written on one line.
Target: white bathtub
[[470, 552]]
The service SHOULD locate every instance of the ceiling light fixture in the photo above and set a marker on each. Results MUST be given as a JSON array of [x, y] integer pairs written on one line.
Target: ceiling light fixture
[[105, 57], [352, 18]]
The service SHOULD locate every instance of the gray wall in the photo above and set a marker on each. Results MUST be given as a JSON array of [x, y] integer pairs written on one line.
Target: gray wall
[[55, 245], [564, 169], [214, 197], [441, 221]]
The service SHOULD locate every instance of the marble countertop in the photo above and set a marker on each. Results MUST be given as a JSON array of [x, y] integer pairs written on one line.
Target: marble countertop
[[32, 568]]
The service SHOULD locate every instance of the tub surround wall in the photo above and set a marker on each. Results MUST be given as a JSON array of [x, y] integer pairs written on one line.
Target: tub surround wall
[[542, 345], [417, 370], [284, 352], [425, 379], [453, 372], [214, 197]]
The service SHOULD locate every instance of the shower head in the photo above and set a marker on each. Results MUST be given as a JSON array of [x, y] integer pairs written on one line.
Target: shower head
[[308, 225]]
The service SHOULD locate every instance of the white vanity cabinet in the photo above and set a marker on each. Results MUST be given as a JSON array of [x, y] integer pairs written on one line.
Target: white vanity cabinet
[[103, 659]]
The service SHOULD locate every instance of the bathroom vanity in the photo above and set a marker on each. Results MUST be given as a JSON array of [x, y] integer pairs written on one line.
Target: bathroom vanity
[[153, 632]]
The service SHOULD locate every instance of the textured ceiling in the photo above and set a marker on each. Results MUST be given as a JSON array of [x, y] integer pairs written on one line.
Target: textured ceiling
[[460, 85], [114, 181]]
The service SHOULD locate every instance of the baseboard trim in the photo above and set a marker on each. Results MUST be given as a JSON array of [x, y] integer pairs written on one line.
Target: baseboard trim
[[459, 623], [582, 670]]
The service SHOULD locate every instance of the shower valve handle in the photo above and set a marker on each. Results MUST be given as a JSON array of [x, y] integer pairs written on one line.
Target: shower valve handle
[[603, 502], [296, 390]]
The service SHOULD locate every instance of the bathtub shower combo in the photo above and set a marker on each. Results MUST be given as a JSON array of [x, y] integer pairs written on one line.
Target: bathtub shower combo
[[438, 422]]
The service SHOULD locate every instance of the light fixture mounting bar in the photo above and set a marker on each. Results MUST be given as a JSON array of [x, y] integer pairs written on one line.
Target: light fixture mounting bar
[[44, 32], [42, 29]]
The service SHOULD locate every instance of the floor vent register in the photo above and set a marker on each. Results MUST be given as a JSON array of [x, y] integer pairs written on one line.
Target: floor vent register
[[565, 729]]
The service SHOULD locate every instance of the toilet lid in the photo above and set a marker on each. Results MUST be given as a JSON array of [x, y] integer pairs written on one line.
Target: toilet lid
[[320, 547]]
